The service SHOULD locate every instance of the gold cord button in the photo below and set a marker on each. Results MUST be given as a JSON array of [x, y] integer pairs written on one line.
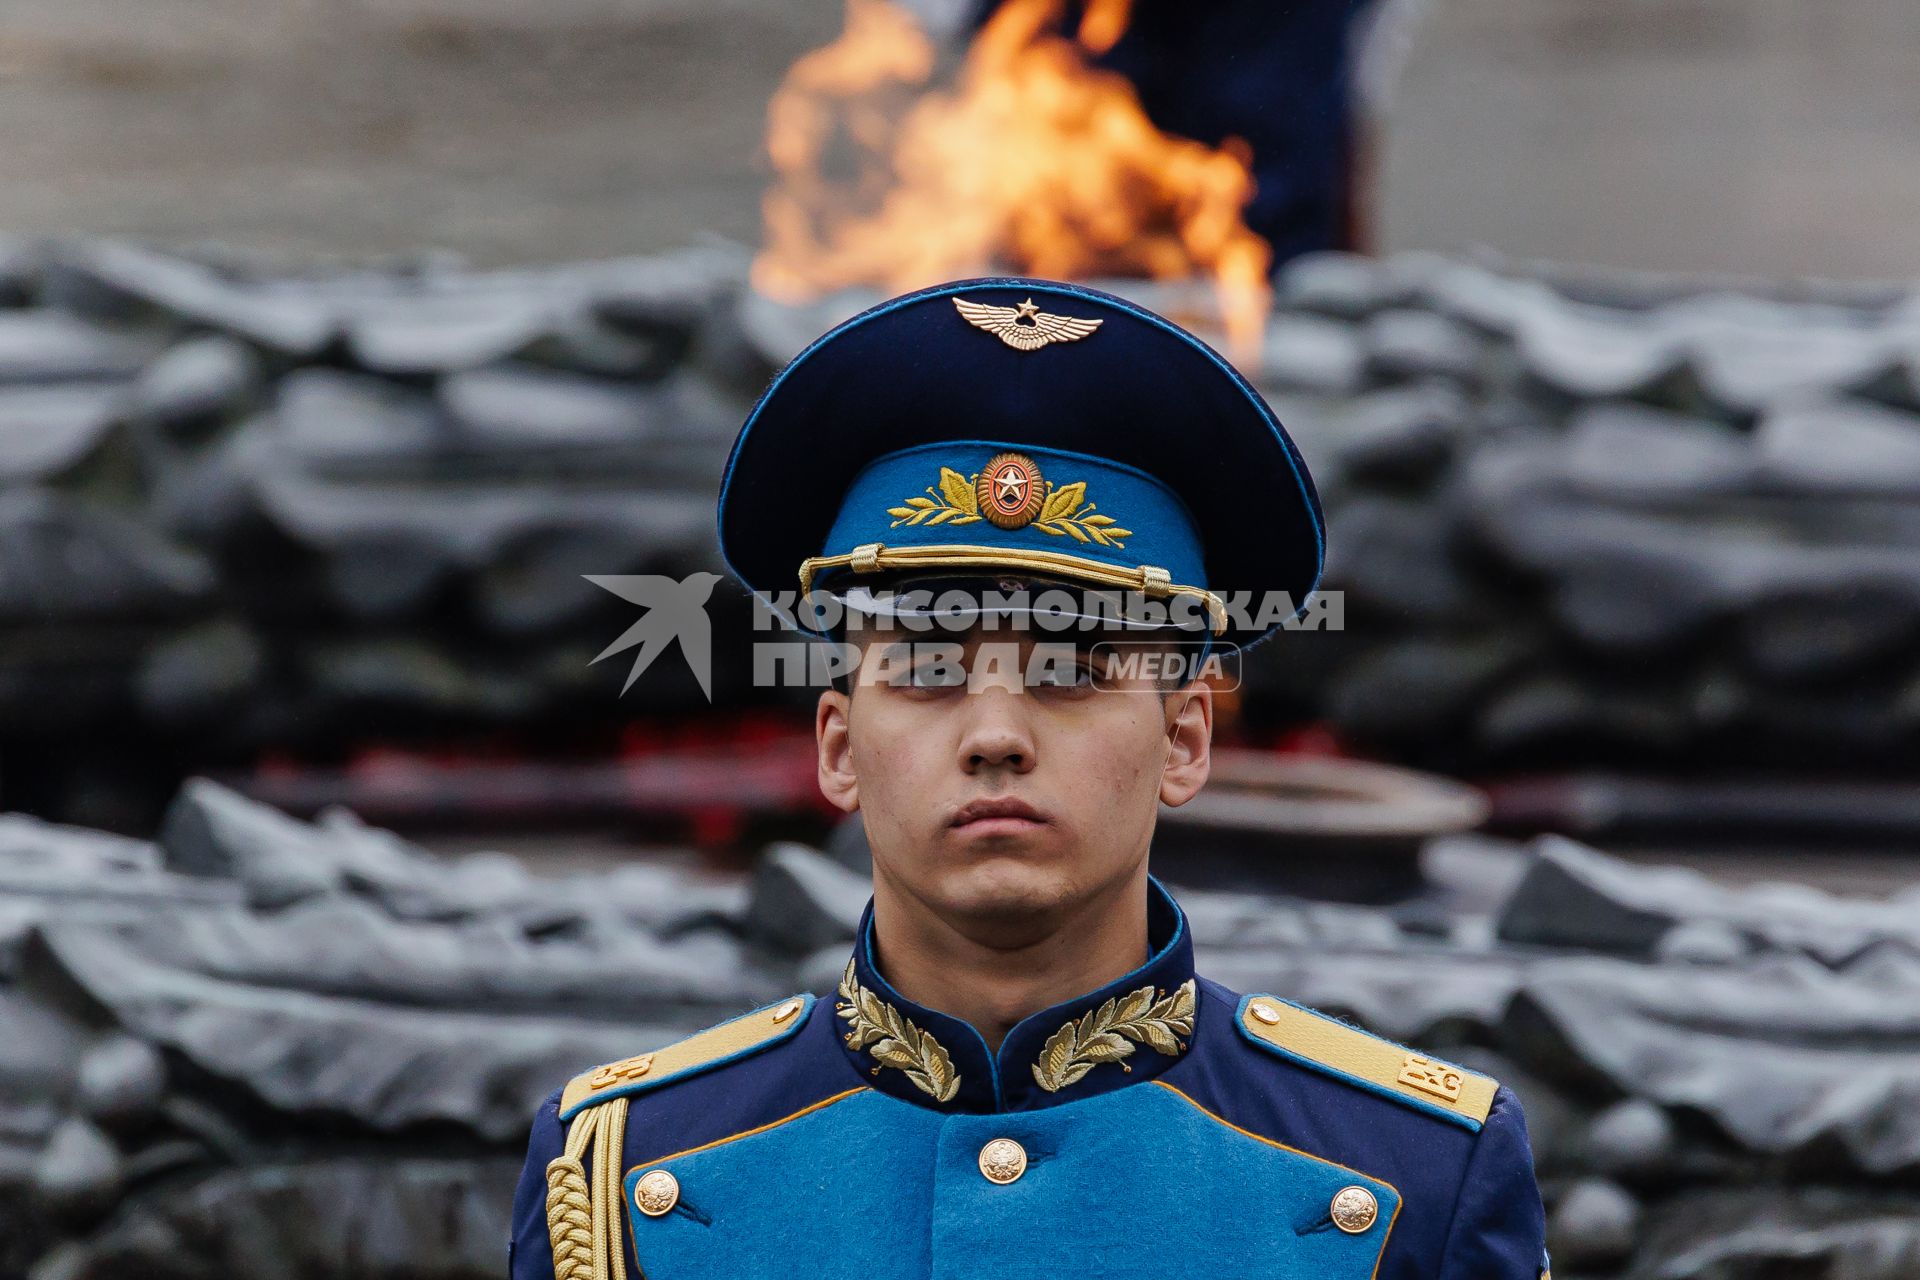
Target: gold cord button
[[1264, 1012], [1002, 1161], [656, 1192], [786, 1011], [1354, 1209]]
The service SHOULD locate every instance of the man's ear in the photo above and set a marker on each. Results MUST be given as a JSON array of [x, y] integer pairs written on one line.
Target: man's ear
[[833, 744], [1189, 743]]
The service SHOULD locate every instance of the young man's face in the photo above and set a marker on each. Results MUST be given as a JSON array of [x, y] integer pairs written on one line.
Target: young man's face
[[1003, 776]]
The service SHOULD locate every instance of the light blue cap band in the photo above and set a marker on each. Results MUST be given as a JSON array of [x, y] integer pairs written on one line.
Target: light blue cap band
[[1090, 508]]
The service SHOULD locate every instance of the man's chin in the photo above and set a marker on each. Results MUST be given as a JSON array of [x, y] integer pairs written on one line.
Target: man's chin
[[1002, 889]]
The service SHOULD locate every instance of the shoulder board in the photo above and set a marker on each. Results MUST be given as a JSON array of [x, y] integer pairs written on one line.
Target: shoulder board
[[1361, 1058], [703, 1050]]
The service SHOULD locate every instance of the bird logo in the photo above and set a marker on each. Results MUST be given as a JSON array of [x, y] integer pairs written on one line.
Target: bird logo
[[1025, 327], [676, 609]]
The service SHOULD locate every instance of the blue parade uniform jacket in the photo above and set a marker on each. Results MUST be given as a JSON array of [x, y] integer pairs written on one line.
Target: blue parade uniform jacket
[[1160, 1126]]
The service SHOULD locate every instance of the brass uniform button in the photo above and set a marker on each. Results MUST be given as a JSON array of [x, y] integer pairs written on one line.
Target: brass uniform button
[[1002, 1161], [1264, 1012], [656, 1192], [1354, 1209], [786, 1011]]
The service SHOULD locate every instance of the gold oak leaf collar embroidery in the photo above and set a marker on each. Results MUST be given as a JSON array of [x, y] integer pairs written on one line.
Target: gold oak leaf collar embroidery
[[1108, 1034], [1064, 513], [892, 1040]]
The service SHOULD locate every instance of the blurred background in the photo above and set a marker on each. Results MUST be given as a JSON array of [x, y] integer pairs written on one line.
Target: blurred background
[[339, 341]]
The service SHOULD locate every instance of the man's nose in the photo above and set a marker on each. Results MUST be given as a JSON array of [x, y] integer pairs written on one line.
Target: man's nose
[[998, 734]]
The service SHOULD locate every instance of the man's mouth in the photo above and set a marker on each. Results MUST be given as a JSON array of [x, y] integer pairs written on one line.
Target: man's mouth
[[1003, 816]]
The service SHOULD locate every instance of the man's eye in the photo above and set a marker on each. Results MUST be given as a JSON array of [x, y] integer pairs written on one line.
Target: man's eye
[[936, 675], [1067, 673]]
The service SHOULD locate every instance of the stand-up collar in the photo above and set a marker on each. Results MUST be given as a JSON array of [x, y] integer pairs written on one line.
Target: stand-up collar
[[1125, 1032]]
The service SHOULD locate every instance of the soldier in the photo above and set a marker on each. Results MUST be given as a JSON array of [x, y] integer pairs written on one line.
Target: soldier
[[1021, 1072]]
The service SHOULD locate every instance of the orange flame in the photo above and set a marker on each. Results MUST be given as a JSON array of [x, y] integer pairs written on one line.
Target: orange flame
[[1031, 160]]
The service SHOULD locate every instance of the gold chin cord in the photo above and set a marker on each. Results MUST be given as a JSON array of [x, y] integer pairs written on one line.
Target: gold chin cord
[[874, 557], [583, 1216]]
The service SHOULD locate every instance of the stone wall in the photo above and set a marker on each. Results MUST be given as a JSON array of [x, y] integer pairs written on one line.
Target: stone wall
[[1636, 522]]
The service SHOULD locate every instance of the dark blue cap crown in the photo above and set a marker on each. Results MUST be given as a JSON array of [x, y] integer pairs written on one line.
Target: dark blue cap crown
[[1022, 426]]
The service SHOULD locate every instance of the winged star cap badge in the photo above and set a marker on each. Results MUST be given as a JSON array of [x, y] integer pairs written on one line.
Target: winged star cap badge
[[1025, 327]]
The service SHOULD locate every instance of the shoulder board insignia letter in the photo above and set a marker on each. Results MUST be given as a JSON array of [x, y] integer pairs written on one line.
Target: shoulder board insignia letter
[[1363, 1059], [736, 1038]]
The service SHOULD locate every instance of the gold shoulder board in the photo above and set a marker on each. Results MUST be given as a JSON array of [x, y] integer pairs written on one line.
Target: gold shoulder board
[[735, 1038], [1365, 1059]]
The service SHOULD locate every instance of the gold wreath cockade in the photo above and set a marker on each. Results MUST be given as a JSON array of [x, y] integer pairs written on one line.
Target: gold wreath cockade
[[1109, 1033], [892, 1040], [1065, 513]]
